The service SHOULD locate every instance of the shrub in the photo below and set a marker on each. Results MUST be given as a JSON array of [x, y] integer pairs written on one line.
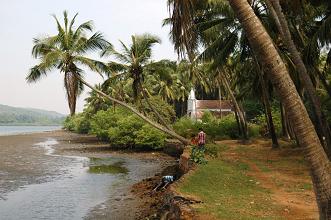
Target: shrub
[[186, 127], [253, 130], [150, 137], [214, 128], [68, 123], [124, 132], [277, 120], [124, 129], [198, 155], [162, 107], [102, 121], [207, 117], [228, 126], [77, 123]]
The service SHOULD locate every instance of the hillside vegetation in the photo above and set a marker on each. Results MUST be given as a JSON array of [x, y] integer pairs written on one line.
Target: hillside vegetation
[[28, 116]]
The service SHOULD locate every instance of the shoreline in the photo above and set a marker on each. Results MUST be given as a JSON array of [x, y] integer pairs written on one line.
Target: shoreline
[[18, 133], [126, 197]]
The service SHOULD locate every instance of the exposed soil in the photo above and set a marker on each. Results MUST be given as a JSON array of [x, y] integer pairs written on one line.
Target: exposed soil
[[283, 172], [152, 202]]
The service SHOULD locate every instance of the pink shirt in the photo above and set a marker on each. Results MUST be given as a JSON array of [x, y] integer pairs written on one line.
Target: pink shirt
[[201, 137]]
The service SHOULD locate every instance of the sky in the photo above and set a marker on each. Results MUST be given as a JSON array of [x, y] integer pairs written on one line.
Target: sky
[[22, 20]]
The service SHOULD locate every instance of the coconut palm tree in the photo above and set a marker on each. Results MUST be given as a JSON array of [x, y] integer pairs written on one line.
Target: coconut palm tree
[[133, 59], [263, 47], [66, 51], [160, 79], [266, 52], [321, 124]]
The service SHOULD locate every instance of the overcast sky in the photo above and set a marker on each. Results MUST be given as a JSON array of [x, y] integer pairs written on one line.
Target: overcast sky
[[21, 21]]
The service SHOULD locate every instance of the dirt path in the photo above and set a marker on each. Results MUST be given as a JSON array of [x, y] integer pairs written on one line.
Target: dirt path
[[283, 172]]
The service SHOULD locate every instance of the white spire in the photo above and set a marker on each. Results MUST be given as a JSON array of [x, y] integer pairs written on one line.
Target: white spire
[[192, 94]]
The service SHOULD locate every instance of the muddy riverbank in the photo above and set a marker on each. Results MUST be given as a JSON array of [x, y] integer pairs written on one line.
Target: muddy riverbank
[[25, 164]]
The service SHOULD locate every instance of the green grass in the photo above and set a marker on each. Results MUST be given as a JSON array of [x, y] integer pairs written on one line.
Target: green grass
[[228, 193], [262, 166]]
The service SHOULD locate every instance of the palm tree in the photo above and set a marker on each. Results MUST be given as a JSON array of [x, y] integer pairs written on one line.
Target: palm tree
[[133, 60], [263, 47], [160, 79], [135, 111], [66, 51], [321, 125]]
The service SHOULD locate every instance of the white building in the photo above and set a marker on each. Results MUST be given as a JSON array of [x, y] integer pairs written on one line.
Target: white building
[[196, 108]]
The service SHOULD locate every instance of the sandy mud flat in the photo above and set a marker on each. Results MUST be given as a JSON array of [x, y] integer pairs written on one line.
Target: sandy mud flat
[[72, 176]]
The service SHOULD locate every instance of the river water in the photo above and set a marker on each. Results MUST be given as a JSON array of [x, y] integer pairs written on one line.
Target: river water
[[10, 130], [82, 184]]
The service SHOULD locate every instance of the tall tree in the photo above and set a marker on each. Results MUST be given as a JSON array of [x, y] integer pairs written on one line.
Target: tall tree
[[267, 54], [135, 111], [321, 124], [133, 59], [264, 48], [65, 51]]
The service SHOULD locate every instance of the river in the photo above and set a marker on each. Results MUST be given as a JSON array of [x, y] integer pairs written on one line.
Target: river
[[36, 182], [10, 130]]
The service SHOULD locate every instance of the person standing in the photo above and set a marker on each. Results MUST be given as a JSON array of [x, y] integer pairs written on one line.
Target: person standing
[[201, 139]]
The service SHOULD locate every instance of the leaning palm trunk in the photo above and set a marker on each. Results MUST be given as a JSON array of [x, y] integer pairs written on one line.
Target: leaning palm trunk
[[135, 111], [285, 127], [320, 123], [267, 107], [158, 115], [268, 113], [241, 116], [71, 86], [263, 47]]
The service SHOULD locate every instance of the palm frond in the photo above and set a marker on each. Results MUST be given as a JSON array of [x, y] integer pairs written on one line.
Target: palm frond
[[72, 22], [94, 65], [95, 42], [35, 74], [111, 51], [86, 26], [182, 25]]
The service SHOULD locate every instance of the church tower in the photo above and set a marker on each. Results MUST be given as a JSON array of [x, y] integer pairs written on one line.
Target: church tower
[[191, 105]]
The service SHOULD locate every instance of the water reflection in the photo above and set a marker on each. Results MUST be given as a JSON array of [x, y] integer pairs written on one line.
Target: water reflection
[[78, 188], [108, 165]]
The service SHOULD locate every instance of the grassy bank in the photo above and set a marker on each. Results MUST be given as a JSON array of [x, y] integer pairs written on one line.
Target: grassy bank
[[252, 182]]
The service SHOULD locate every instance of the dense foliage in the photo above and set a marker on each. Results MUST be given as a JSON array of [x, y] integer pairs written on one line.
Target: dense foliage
[[120, 127], [216, 128]]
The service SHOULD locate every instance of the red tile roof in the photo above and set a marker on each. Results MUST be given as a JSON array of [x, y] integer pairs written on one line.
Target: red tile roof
[[213, 104]]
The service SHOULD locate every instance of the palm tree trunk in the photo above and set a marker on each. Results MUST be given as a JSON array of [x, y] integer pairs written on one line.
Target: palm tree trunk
[[320, 124], [71, 86], [135, 111], [238, 123], [263, 47], [267, 107], [290, 127], [220, 99], [269, 114], [161, 119], [285, 129], [239, 111]]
